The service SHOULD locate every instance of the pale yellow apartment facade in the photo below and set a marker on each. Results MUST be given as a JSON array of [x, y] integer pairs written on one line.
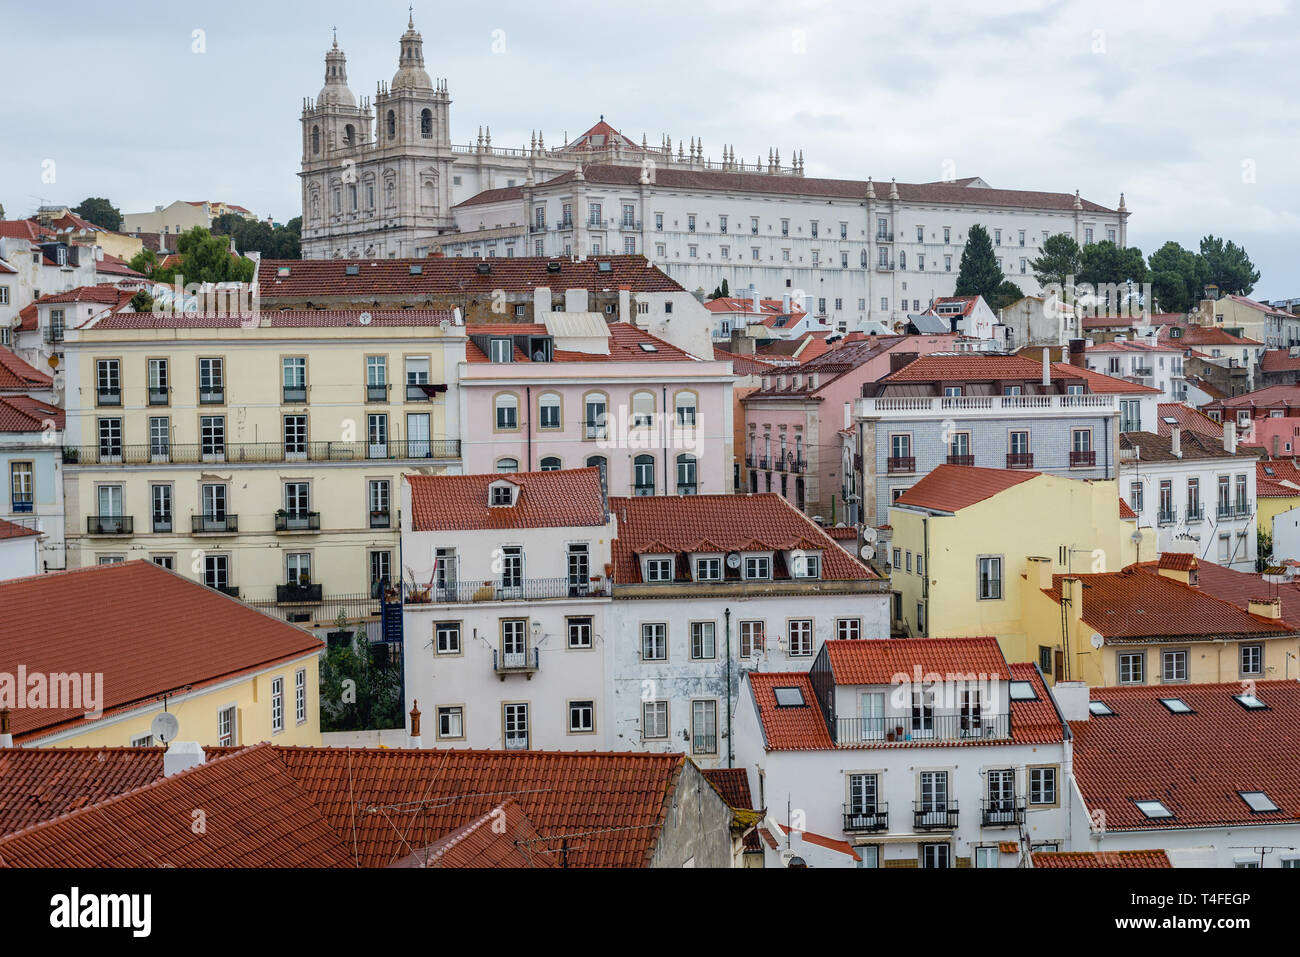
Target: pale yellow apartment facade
[[261, 455]]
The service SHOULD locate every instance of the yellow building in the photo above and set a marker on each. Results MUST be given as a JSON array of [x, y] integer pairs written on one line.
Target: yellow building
[[143, 640], [1174, 621], [258, 454], [1277, 490], [179, 216], [962, 537]]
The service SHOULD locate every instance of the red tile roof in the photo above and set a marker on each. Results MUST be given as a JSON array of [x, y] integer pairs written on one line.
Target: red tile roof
[[503, 837], [1134, 604], [1194, 335], [152, 631], [22, 413], [10, 529], [743, 365], [799, 728], [988, 367], [821, 840], [24, 229], [1097, 381], [1126, 513], [1189, 420], [625, 345], [1280, 474], [882, 661], [107, 295], [1101, 859], [950, 488], [1239, 588], [732, 784], [278, 319], [669, 524], [114, 266], [1279, 360], [1251, 303], [1270, 397], [17, 374], [568, 498], [1036, 720], [27, 318], [318, 280], [1193, 763], [1177, 561], [732, 304]]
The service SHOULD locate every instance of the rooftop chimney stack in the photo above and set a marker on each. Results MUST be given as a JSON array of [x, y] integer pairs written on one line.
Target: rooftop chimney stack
[[1077, 355], [1072, 699], [1047, 368], [180, 756], [1230, 437], [416, 741], [6, 737], [1176, 442]]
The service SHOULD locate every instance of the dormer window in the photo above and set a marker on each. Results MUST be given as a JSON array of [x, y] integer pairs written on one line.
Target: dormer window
[[805, 565], [708, 569], [758, 567], [659, 569], [502, 350], [501, 494]]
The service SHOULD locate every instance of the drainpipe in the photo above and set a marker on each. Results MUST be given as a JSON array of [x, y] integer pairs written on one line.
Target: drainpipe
[[528, 397], [663, 436], [726, 629]]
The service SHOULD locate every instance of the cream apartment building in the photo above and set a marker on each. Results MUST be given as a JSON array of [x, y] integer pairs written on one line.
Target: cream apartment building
[[261, 455]]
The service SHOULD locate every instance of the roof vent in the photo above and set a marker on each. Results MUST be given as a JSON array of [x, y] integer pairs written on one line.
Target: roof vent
[[416, 269], [483, 269], [604, 266], [553, 267], [352, 269]]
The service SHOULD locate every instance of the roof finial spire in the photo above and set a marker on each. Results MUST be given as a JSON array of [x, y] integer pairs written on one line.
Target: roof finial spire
[[410, 20], [336, 38]]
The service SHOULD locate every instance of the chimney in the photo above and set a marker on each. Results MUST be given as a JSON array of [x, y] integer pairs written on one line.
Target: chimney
[[1265, 607], [1047, 368], [807, 305], [753, 298], [180, 756], [416, 741], [742, 344], [1072, 698], [6, 736], [1230, 437], [785, 302], [541, 303], [1042, 569], [1077, 356], [624, 303], [1276, 445], [1072, 597], [575, 300], [1176, 442]]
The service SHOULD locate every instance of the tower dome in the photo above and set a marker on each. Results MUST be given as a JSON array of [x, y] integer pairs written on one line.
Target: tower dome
[[335, 92], [410, 73]]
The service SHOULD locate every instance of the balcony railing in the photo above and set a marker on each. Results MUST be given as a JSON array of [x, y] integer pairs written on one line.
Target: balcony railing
[[297, 593], [884, 267], [213, 395], [1079, 459], [158, 396], [900, 463], [704, 743], [1225, 510], [295, 394], [643, 489], [1002, 812], [162, 523], [237, 452], [990, 405], [1020, 460], [1195, 513], [523, 589], [376, 393], [231, 590], [1243, 509], [866, 817], [884, 237], [524, 662], [905, 728], [108, 397], [52, 334], [934, 815], [379, 518], [1167, 516], [961, 460], [214, 524], [21, 505], [297, 521], [110, 525], [516, 742]]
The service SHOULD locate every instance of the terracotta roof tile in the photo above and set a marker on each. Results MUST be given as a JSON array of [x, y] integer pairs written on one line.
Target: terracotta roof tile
[[503, 837], [1126, 513], [743, 365], [107, 295], [1188, 419], [881, 661], [279, 319], [17, 374], [1034, 721], [950, 488], [732, 784], [1271, 397], [10, 529], [625, 345], [1193, 763], [1238, 588], [22, 413], [799, 728], [1101, 859], [1192, 445], [568, 498], [1279, 360]]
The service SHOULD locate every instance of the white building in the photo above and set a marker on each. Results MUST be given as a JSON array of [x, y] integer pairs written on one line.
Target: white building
[[1173, 789], [1143, 362], [1196, 492], [919, 753], [20, 552], [506, 599], [708, 587]]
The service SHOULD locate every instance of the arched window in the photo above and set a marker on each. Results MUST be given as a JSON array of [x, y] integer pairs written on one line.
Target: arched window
[[551, 463], [548, 410], [507, 465], [426, 123], [599, 462], [595, 409], [643, 475], [349, 135], [643, 409], [392, 124], [686, 483], [863, 259], [685, 403], [507, 412], [315, 139]]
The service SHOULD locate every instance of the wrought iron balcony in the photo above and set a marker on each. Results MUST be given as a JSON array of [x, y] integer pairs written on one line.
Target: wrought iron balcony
[[376, 393], [516, 742], [226, 524], [455, 591], [297, 593], [1225, 510], [110, 525], [525, 662], [961, 460], [1079, 458], [905, 728], [235, 453], [231, 590], [900, 463], [704, 743], [643, 489], [379, 518], [1167, 516], [212, 395], [158, 396], [108, 396], [297, 521], [1020, 460], [1242, 508], [866, 817], [1195, 513], [1002, 812], [296, 394], [162, 523], [934, 815]]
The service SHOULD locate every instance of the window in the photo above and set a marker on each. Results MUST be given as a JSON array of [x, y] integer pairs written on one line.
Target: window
[[753, 638], [227, 730], [108, 377], [1153, 809], [1252, 659], [703, 640], [161, 498], [446, 637], [377, 497], [654, 641], [22, 486], [1173, 665], [986, 856], [659, 570], [507, 412], [579, 632], [277, 705], [1042, 785], [216, 571], [806, 566], [582, 717], [1099, 708], [990, 577], [295, 435], [212, 389], [110, 438], [848, 629], [708, 569], [936, 855], [1132, 668], [451, 722], [595, 407], [381, 570], [297, 568], [801, 637], [1021, 691], [686, 474], [643, 475], [704, 727], [1258, 801], [758, 567], [1130, 415], [654, 719], [212, 434]]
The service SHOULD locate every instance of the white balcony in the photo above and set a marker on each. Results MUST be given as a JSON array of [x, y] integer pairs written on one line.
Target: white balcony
[[983, 406]]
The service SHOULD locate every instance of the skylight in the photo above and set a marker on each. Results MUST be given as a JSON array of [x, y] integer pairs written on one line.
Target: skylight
[[1258, 801], [1154, 809], [282, 271], [1023, 691], [1249, 702], [604, 266], [648, 347], [1176, 705], [1099, 707], [792, 698]]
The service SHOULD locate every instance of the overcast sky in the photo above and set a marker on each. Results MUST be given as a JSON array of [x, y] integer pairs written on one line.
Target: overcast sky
[[1188, 107]]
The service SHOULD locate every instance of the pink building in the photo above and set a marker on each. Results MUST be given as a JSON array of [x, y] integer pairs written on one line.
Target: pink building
[[576, 391], [792, 423]]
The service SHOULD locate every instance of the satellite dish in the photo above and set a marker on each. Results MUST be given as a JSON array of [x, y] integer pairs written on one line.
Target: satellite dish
[[869, 534], [733, 560], [364, 318], [165, 727], [1096, 641], [868, 552]]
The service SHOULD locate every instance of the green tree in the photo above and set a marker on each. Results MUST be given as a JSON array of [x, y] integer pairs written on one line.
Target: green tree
[[1005, 295], [1228, 266], [101, 212], [144, 262], [1060, 260], [358, 691], [721, 292], [980, 274], [1178, 277], [205, 258], [142, 301], [1104, 263], [259, 236]]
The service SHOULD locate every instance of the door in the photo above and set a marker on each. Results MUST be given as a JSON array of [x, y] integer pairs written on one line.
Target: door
[[934, 797], [110, 509], [579, 569], [514, 642], [377, 436], [515, 721], [1002, 796], [417, 435], [873, 716], [214, 508]]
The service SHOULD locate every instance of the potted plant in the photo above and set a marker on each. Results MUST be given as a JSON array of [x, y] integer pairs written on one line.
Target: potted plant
[[304, 579]]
